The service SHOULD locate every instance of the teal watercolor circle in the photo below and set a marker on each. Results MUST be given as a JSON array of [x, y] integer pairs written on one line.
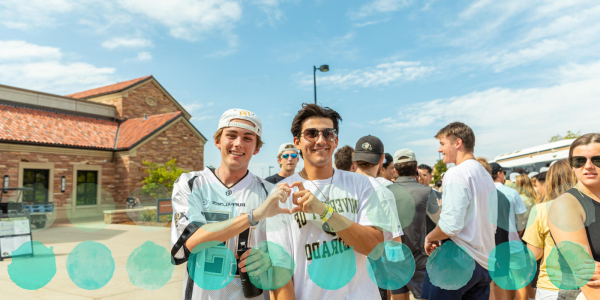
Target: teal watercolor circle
[[405, 204], [332, 265], [450, 266], [274, 270], [511, 265], [391, 265], [569, 266], [90, 265], [212, 265], [32, 273], [150, 266]]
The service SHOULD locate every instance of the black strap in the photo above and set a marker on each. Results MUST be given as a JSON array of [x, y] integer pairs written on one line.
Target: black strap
[[187, 233], [191, 183], [189, 288]]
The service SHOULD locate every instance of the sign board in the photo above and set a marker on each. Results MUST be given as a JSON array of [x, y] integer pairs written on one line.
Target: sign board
[[15, 230], [163, 207]]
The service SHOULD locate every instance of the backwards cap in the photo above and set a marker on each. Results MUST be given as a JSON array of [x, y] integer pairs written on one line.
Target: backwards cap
[[241, 114]]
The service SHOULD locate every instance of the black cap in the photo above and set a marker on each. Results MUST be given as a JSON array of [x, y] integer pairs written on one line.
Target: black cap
[[369, 149], [387, 160], [496, 168]]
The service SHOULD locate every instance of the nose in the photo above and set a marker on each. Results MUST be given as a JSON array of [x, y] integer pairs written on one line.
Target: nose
[[237, 141], [320, 139], [440, 149], [589, 165]]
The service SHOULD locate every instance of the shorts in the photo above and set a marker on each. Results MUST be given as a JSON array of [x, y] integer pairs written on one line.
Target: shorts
[[477, 288], [542, 294], [415, 285]]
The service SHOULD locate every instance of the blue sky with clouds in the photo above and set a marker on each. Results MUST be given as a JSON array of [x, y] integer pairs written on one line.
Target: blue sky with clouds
[[518, 72]]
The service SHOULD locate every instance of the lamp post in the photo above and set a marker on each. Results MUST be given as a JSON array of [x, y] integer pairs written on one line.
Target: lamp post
[[270, 170], [322, 68]]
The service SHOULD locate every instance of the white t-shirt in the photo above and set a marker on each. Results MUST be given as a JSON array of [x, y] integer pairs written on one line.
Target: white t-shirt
[[384, 181], [201, 198], [465, 204], [352, 196]]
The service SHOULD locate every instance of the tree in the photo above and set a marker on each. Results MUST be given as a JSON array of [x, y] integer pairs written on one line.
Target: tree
[[438, 169], [159, 176], [570, 135]]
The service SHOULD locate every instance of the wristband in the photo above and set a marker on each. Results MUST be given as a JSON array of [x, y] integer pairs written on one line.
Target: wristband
[[321, 216], [250, 219], [328, 213]]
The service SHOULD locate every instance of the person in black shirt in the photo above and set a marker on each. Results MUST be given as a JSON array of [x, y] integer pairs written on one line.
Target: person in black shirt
[[287, 159]]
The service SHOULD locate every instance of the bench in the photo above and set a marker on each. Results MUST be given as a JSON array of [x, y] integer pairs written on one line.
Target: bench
[[124, 215]]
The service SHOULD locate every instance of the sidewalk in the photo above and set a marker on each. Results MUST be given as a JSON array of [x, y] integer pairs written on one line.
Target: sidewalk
[[121, 240]]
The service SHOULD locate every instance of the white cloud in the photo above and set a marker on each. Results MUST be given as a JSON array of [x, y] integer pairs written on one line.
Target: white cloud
[[23, 51], [379, 6], [381, 75], [507, 119], [20, 14], [144, 56], [188, 19], [271, 8], [40, 68], [127, 43], [369, 23]]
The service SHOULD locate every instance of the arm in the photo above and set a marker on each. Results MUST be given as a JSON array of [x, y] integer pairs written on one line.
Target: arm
[[285, 292], [432, 240], [566, 220], [434, 207], [537, 252]]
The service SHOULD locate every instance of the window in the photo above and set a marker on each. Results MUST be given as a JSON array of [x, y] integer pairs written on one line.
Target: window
[[39, 181], [87, 187]]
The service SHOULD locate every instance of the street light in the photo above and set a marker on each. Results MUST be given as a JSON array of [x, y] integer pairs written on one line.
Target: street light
[[270, 170], [322, 68]]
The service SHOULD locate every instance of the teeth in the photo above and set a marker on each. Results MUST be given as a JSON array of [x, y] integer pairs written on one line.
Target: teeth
[[236, 153]]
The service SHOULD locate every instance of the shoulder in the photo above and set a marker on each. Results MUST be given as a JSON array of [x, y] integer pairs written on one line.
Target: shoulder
[[184, 179]]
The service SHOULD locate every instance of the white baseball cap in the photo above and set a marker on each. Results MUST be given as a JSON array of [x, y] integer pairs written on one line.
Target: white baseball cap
[[409, 154], [287, 147], [241, 114], [531, 174]]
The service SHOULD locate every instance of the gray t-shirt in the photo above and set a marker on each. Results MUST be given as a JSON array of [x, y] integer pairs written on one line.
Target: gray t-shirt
[[413, 201]]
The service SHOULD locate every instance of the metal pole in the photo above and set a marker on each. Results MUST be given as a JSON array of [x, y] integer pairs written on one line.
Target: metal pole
[[315, 81]]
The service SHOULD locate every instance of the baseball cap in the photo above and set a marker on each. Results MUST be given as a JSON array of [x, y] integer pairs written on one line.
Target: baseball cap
[[404, 153], [387, 160], [496, 167], [532, 174], [369, 149], [544, 169], [287, 147], [241, 114], [513, 176]]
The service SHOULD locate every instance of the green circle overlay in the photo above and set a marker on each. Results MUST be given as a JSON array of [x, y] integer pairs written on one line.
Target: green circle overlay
[[511, 265], [212, 265], [391, 265], [569, 266], [272, 274], [32, 273], [90, 265], [450, 266], [150, 266], [332, 266]]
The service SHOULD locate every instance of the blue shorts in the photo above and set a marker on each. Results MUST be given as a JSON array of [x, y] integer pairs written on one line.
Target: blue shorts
[[478, 288]]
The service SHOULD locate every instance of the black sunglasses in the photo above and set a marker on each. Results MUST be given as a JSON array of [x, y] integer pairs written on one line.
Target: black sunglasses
[[285, 156], [580, 161], [312, 134]]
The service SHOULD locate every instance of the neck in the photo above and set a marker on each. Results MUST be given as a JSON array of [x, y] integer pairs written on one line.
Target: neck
[[318, 173], [285, 173], [230, 177], [463, 156], [594, 193], [369, 172]]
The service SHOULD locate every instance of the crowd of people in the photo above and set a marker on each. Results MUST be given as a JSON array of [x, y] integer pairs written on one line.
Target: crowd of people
[[290, 232]]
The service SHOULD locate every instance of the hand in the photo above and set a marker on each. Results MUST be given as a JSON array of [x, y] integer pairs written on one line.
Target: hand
[[439, 202], [586, 270], [255, 262], [306, 202], [430, 245], [270, 207]]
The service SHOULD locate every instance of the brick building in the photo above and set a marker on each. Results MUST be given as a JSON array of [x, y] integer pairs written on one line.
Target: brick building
[[97, 136]]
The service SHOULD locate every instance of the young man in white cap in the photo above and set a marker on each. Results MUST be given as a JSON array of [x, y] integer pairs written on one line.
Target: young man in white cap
[[215, 209], [287, 159], [329, 216]]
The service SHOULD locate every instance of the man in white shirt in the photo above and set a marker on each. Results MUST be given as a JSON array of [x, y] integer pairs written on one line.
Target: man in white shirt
[[332, 228], [463, 219]]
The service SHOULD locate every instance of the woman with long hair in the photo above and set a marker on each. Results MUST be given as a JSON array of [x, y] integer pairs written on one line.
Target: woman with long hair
[[559, 179], [527, 192], [574, 221]]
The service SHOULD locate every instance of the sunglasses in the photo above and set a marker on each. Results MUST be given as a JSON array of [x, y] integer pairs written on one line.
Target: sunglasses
[[312, 134], [285, 156], [580, 161]]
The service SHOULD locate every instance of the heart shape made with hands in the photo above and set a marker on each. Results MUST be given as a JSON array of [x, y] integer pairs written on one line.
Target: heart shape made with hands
[[305, 201]]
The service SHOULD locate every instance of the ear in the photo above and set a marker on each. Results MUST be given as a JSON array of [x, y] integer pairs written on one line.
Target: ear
[[458, 143], [256, 151], [296, 142], [217, 144], [396, 173]]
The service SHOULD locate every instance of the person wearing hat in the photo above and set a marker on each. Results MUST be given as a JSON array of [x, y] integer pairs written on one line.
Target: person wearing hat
[[213, 205], [510, 218], [287, 159], [415, 202], [385, 175]]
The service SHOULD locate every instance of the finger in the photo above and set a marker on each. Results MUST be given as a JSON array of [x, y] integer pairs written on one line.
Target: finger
[[245, 254], [297, 195], [283, 184], [593, 283], [298, 184], [295, 209], [286, 189], [260, 270], [284, 211]]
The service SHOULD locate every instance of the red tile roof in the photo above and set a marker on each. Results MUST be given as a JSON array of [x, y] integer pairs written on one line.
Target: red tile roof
[[133, 131], [29, 125], [113, 88]]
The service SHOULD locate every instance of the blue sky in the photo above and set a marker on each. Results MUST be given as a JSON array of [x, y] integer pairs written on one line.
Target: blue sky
[[518, 72]]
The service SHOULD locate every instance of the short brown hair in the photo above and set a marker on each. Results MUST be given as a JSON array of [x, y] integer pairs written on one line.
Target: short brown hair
[[343, 158], [363, 164], [217, 137], [485, 165], [583, 140], [408, 168], [459, 130]]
